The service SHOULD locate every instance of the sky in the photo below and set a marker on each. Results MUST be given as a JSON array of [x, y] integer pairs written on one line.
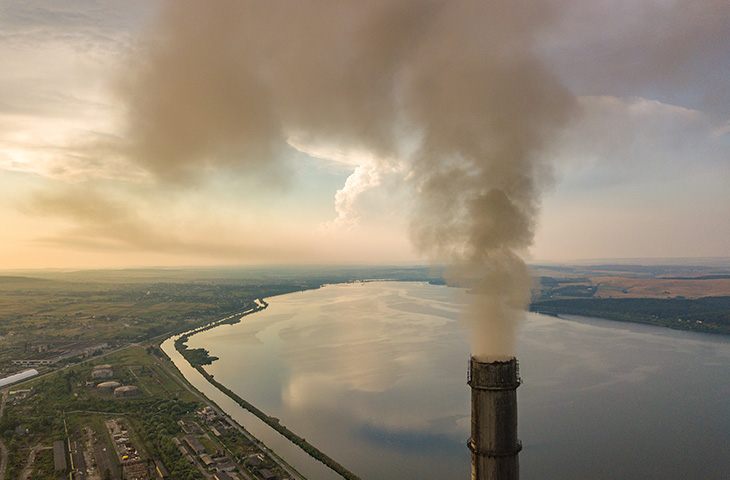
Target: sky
[[150, 133]]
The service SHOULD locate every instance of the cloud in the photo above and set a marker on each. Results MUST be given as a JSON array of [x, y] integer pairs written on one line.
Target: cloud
[[634, 140], [638, 178], [424, 105], [92, 156], [103, 221], [56, 117], [43, 17], [673, 52]]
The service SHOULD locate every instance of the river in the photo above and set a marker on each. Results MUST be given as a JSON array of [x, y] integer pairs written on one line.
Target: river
[[374, 374]]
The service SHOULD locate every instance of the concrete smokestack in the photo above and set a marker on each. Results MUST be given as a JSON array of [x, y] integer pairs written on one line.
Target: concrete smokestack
[[494, 445]]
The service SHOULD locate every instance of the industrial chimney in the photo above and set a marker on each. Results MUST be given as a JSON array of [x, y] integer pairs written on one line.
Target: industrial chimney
[[494, 445]]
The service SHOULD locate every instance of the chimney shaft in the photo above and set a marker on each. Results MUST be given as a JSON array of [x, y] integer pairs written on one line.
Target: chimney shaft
[[494, 445]]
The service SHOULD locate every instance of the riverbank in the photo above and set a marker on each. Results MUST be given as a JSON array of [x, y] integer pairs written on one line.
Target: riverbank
[[199, 357], [702, 315]]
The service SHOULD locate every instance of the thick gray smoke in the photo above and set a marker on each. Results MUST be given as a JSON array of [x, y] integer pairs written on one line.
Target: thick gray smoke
[[226, 83]]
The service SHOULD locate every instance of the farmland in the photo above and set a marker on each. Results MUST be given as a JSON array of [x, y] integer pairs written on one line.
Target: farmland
[[685, 298]]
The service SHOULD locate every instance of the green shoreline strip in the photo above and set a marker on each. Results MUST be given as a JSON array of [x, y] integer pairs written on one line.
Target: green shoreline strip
[[702, 315], [310, 449]]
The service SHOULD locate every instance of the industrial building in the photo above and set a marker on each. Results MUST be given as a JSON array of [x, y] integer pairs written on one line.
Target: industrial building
[[52, 353], [59, 456], [102, 373], [35, 362], [161, 470], [126, 391], [195, 444], [18, 377], [267, 474], [255, 460], [207, 461], [108, 386], [20, 394]]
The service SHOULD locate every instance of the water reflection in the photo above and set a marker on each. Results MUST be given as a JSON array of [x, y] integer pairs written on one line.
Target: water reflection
[[345, 366], [374, 375]]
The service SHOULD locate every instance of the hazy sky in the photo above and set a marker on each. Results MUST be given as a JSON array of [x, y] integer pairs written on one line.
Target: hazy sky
[[219, 134]]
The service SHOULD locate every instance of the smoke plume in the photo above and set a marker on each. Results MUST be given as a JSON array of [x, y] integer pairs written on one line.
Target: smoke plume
[[228, 83]]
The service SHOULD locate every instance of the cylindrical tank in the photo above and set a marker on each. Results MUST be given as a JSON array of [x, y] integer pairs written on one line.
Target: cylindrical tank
[[494, 445]]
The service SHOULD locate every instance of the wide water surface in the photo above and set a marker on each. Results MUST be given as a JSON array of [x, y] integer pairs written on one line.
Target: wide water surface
[[374, 374]]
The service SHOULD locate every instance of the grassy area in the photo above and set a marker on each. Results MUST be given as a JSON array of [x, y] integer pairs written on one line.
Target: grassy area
[[55, 312]]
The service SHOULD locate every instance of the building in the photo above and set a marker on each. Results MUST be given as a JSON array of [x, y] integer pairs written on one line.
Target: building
[[35, 362], [267, 475], [59, 456], [195, 444], [89, 351], [255, 459], [208, 410], [207, 461], [102, 373], [161, 470], [126, 391], [50, 354], [225, 464], [109, 386], [37, 347], [20, 394]]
